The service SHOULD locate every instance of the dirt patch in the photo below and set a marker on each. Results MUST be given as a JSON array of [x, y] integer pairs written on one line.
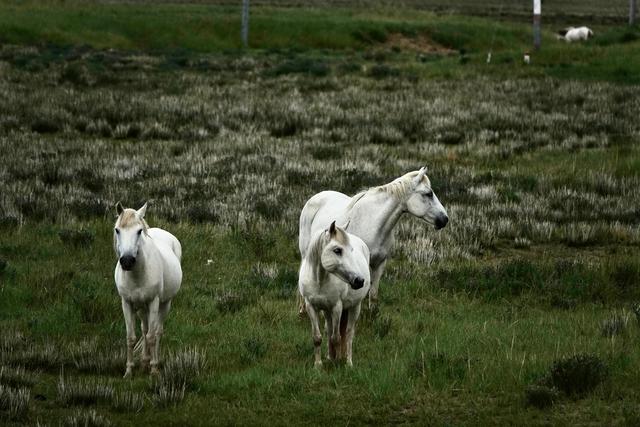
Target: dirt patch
[[420, 43]]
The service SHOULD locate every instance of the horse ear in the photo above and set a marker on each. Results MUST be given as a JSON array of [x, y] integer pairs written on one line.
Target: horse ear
[[332, 229], [418, 179], [142, 211], [119, 208]]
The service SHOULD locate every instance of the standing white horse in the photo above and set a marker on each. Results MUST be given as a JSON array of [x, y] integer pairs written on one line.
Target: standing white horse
[[148, 275], [334, 278], [372, 216]]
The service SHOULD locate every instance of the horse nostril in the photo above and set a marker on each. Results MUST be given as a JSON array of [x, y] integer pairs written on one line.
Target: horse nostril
[[358, 282], [441, 221]]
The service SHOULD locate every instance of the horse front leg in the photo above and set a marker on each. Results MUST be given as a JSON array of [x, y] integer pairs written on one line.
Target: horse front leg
[[333, 330], [316, 335], [354, 313], [301, 305], [376, 274], [130, 324], [152, 335]]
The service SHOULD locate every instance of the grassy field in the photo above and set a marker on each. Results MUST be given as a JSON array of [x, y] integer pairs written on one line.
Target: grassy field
[[523, 310]]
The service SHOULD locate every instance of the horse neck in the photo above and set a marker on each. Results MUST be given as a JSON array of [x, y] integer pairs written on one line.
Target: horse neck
[[381, 210]]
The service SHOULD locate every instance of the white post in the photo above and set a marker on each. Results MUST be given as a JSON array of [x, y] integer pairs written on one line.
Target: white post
[[537, 12], [245, 23], [632, 12]]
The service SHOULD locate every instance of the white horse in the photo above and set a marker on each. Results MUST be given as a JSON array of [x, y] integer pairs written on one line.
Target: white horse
[[334, 278], [372, 216], [148, 275], [571, 34]]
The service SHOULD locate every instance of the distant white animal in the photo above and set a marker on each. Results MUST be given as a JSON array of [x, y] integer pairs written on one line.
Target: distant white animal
[[148, 275], [372, 215], [334, 278], [571, 34]]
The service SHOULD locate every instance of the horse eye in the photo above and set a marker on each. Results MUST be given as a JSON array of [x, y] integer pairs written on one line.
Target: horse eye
[[140, 232], [117, 231], [337, 251], [429, 194]]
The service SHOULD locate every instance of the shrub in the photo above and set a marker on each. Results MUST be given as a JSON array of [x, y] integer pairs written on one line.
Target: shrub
[[540, 396], [382, 326], [578, 375], [254, 349], [80, 238], [381, 71]]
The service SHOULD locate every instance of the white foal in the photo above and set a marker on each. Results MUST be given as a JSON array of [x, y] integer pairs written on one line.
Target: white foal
[[148, 275], [334, 278]]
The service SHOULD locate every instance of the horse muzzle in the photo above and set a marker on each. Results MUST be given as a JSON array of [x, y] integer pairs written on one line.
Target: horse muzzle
[[127, 262], [357, 283], [441, 222]]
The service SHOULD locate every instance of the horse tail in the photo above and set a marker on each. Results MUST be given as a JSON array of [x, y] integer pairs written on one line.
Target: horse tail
[[308, 214], [138, 347]]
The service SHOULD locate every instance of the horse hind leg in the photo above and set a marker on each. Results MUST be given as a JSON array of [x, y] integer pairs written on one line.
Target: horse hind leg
[[344, 320], [145, 355]]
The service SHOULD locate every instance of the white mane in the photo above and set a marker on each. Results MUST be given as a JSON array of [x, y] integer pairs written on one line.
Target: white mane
[[399, 187]]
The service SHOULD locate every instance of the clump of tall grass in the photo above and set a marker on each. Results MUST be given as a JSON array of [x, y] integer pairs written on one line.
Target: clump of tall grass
[[89, 418], [231, 301], [167, 393], [615, 325], [89, 357], [82, 391], [184, 367], [14, 402], [16, 377], [34, 356], [127, 401]]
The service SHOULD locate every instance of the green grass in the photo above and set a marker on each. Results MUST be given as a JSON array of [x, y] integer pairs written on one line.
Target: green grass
[[201, 28], [532, 284]]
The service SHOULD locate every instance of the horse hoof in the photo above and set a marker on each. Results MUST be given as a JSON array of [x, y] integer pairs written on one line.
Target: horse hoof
[[128, 373], [154, 371], [318, 365]]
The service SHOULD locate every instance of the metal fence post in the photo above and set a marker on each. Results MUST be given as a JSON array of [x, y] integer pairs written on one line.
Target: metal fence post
[[537, 12], [245, 23]]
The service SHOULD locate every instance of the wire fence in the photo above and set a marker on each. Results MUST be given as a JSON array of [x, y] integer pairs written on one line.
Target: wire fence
[[576, 12]]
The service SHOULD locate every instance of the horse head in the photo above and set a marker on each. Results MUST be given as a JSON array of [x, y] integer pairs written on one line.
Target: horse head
[[127, 233], [339, 257], [423, 203]]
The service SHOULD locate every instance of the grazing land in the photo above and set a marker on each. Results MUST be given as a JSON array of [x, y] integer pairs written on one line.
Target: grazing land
[[523, 310]]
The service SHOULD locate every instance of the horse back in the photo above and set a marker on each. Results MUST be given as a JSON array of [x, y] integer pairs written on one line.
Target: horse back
[[170, 251], [163, 236]]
